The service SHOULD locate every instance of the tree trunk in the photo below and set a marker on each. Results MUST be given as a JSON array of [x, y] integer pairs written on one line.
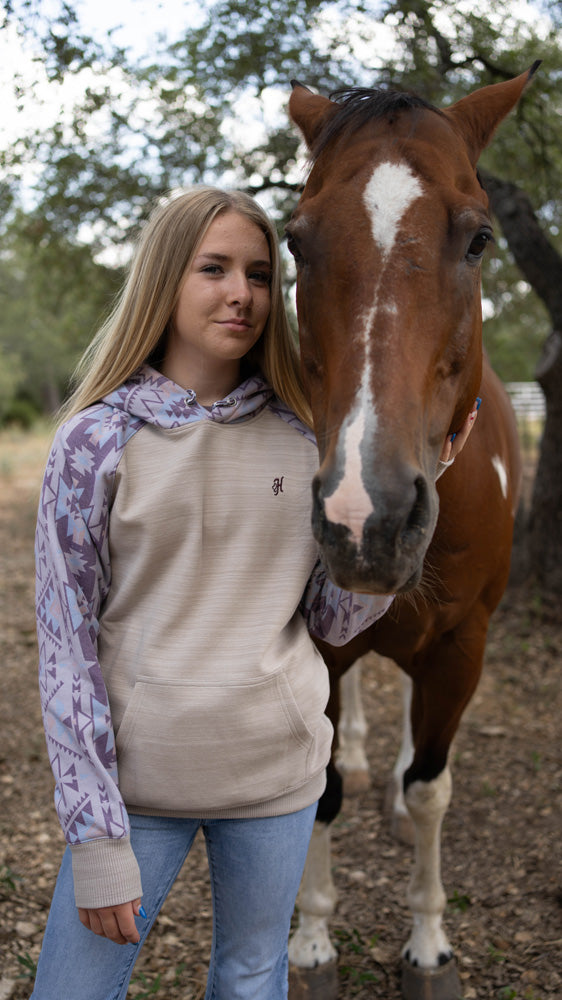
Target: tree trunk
[[544, 528], [541, 265], [51, 394]]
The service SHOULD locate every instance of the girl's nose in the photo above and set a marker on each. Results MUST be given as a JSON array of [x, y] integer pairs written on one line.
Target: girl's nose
[[240, 290]]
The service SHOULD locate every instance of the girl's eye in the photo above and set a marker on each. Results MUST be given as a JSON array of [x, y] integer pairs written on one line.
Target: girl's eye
[[261, 277]]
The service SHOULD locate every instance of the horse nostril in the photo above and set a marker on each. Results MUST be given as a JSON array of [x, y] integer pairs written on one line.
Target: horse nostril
[[419, 515]]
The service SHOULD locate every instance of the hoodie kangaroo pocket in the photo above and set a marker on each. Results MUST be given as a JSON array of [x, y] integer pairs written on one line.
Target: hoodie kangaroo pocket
[[185, 747]]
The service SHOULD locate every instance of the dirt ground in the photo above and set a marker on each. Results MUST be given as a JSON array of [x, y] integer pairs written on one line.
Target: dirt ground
[[501, 838]]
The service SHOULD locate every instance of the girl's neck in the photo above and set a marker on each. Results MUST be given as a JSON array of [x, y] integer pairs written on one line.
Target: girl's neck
[[209, 386]]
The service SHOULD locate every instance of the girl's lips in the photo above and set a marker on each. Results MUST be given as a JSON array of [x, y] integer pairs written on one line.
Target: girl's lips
[[235, 324]]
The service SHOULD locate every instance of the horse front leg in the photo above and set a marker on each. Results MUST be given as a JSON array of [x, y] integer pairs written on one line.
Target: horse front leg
[[427, 803], [312, 956], [443, 685], [428, 965]]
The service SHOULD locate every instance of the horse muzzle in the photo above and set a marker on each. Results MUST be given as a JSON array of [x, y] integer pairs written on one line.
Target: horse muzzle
[[377, 545]]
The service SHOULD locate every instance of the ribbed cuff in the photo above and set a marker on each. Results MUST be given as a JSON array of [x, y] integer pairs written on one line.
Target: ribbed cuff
[[106, 873], [442, 467]]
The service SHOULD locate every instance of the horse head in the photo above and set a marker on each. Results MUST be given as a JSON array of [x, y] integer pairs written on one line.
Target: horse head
[[388, 238]]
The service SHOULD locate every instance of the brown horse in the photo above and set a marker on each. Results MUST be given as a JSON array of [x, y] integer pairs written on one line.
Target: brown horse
[[388, 238]]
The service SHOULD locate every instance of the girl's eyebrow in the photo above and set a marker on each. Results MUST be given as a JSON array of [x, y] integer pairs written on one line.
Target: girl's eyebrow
[[225, 257]]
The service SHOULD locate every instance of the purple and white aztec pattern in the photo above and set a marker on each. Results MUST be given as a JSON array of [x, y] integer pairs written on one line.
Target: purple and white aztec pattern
[[157, 400], [74, 576], [338, 615]]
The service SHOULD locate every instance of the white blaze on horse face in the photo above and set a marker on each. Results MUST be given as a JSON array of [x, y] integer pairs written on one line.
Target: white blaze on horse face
[[390, 191], [350, 504]]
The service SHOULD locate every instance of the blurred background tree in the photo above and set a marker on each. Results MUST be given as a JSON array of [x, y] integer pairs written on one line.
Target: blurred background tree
[[206, 103]]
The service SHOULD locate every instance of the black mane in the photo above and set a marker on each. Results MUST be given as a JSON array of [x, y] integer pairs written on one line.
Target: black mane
[[359, 105]]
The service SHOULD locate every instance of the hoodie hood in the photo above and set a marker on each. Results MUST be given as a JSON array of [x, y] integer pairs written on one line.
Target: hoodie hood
[[154, 399]]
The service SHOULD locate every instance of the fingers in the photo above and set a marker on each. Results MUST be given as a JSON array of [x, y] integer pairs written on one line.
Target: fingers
[[461, 438], [446, 450], [84, 916], [117, 923], [455, 443]]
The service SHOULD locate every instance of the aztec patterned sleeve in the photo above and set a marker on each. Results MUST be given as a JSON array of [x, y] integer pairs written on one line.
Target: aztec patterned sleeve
[[337, 615], [73, 576]]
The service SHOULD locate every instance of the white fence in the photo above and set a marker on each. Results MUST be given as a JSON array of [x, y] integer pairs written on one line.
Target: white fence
[[530, 410], [527, 399]]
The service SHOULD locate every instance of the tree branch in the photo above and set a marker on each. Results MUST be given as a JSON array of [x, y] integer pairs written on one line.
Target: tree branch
[[536, 257]]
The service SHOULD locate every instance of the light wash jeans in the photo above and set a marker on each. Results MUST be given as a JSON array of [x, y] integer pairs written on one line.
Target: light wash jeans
[[255, 867]]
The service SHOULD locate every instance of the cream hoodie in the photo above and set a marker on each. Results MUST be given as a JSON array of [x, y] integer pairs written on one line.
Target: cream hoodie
[[177, 586]]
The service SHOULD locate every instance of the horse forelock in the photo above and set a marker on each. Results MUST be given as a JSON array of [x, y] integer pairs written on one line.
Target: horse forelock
[[357, 106]]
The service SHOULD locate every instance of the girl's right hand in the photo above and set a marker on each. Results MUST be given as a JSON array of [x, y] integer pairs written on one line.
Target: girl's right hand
[[114, 922], [456, 442]]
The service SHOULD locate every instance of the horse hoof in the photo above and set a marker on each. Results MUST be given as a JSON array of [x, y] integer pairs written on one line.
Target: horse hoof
[[442, 983], [355, 783], [320, 983]]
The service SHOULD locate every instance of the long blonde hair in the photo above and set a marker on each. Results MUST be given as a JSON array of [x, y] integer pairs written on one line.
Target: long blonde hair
[[135, 331]]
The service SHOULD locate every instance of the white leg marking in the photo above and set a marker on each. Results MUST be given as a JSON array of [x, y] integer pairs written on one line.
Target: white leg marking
[[501, 470], [427, 803], [310, 945], [352, 729]]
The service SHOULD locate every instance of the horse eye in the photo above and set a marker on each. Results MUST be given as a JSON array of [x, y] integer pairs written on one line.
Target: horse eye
[[293, 248], [478, 245]]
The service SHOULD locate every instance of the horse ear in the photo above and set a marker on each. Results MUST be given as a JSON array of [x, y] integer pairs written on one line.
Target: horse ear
[[309, 111], [477, 116]]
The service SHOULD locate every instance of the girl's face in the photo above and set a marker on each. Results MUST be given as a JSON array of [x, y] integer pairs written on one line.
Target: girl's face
[[223, 306]]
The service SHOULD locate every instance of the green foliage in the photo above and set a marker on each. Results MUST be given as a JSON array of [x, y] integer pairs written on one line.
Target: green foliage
[[8, 878], [19, 413], [28, 965], [459, 902], [516, 322], [54, 30], [495, 955], [149, 987], [143, 986], [11, 377], [52, 296], [208, 105], [355, 960]]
